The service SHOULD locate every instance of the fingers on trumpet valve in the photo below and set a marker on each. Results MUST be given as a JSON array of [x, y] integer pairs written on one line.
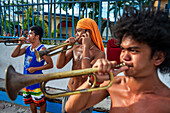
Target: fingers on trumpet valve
[[106, 69], [105, 66]]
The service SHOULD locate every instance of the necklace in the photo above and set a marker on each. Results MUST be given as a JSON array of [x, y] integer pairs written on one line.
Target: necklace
[[92, 47]]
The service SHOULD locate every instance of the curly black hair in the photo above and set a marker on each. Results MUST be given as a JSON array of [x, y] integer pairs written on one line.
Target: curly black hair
[[147, 26]]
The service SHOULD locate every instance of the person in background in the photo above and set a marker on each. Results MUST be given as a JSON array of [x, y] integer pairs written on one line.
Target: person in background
[[144, 38], [32, 94], [84, 54], [8, 33], [26, 32], [18, 31]]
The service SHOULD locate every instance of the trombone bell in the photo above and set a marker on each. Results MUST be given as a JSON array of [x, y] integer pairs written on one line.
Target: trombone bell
[[11, 79], [15, 81]]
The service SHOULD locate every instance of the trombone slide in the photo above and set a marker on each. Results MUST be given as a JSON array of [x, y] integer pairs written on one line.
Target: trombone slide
[[40, 54]]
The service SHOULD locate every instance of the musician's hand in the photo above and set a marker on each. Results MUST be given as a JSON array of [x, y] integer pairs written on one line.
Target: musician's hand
[[31, 69], [23, 39], [86, 39], [105, 67], [71, 40]]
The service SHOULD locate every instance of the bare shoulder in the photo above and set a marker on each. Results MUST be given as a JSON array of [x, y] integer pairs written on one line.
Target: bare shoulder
[[119, 82], [158, 101], [166, 100], [165, 93], [98, 54], [98, 51]]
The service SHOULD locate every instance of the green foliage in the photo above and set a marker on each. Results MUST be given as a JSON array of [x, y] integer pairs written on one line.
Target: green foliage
[[9, 27], [94, 6], [83, 8], [120, 5], [35, 21], [57, 31]]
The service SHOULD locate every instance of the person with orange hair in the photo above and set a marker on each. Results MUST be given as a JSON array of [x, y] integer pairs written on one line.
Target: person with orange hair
[[84, 54]]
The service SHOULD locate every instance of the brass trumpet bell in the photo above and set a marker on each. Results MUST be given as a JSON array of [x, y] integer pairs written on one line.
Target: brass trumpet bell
[[14, 81]]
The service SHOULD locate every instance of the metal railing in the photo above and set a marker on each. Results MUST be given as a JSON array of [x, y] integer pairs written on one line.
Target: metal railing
[[58, 18]]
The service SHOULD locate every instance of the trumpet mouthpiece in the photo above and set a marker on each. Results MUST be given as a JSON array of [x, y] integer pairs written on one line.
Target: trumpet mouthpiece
[[120, 65]]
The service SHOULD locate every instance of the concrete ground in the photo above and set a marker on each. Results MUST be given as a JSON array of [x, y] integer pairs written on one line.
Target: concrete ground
[[6, 107]]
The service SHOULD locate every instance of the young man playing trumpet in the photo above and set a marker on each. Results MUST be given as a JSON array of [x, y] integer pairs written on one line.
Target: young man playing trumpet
[[84, 54], [32, 94], [145, 38]]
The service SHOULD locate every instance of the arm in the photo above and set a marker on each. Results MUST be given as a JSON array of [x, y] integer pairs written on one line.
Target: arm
[[80, 102], [18, 51], [48, 65], [63, 58], [87, 63]]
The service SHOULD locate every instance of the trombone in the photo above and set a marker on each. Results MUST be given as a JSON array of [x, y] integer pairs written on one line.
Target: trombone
[[15, 81], [40, 54], [13, 41]]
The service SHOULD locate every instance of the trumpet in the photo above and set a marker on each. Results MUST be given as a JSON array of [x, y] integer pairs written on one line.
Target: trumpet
[[40, 54], [15, 81], [8, 41]]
